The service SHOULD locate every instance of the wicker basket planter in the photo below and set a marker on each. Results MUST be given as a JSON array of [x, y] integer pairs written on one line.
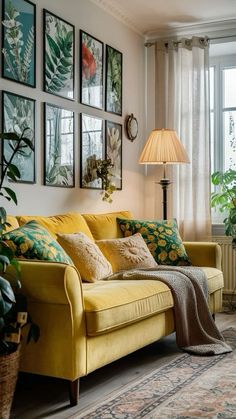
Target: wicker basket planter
[[9, 367]]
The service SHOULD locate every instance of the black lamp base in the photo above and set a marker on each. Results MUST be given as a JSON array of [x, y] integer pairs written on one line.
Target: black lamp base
[[164, 184]]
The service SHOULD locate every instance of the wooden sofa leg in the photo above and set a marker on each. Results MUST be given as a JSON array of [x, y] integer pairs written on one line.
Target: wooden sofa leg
[[74, 392]]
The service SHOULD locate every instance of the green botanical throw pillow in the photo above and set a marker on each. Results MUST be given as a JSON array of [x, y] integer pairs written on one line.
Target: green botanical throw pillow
[[162, 238], [32, 241]]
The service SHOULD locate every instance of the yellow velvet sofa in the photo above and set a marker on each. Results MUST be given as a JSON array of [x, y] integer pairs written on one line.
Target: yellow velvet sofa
[[85, 326]]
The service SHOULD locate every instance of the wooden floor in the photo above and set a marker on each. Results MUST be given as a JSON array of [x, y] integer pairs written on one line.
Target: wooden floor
[[43, 397]]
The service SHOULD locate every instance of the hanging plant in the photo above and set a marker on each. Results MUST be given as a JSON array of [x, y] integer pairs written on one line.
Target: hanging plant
[[104, 173]]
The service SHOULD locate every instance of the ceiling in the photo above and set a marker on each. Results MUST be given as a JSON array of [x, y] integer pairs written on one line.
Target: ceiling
[[150, 17]]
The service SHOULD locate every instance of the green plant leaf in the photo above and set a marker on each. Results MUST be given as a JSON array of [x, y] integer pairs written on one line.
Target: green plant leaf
[[53, 46], [28, 142], [63, 70], [65, 62], [6, 290], [34, 333], [10, 136], [4, 262], [49, 63], [3, 215], [14, 169], [11, 194]]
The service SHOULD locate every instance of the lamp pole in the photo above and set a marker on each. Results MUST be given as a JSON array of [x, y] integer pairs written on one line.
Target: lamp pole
[[164, 182]]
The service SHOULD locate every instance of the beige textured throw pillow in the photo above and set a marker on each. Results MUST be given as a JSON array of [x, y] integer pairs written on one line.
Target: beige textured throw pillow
[[86, 255], [127, 253]]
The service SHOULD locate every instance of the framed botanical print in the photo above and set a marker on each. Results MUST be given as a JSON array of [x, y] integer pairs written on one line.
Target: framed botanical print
[[59, 45], [113, 80], [113, 141], [91, 70], [58, 147], [92, 149], [18, 41], [18, 115]]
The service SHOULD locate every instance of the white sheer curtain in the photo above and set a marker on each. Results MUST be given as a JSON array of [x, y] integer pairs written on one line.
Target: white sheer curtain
[[182, 103]]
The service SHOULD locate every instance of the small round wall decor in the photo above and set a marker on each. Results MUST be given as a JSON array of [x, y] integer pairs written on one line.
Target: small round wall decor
[[131, 127]]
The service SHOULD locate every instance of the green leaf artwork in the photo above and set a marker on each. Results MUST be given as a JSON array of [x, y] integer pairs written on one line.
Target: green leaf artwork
[[59, 147], [19, 122], [19, 41], [113, 80], [58, 56], [114, 151]]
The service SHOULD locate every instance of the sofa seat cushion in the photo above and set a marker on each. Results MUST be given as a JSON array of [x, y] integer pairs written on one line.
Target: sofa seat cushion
[[215, 279], [112, 305]]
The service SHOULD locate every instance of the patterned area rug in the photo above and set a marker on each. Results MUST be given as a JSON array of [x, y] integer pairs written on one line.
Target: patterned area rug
[[186, 388]]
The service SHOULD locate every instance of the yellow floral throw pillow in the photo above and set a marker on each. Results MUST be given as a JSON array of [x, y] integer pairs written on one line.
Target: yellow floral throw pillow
[[162, 238], [127, 253], [32, 241]]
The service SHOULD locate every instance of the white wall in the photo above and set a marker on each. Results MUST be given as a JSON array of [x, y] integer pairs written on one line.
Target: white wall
[[43, 200]]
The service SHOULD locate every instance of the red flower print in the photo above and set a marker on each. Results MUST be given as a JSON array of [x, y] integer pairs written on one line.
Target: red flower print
[[88, 62]]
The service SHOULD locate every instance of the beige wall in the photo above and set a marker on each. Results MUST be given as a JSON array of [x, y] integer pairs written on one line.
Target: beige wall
[[39, 199]]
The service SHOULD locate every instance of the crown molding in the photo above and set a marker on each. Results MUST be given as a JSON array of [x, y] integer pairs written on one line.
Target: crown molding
[[119, 14], [213, 28]]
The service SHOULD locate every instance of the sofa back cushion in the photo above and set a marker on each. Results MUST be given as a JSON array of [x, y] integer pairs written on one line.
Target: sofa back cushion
[[72, 222], [86, 255], [105, 226]]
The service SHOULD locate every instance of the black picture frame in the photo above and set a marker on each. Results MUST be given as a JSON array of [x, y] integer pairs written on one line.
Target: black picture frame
[[21, 68], [92, 147], [91, 71], [113, 150], [59, 168], [19, 112], [114, 81], [54, 42]]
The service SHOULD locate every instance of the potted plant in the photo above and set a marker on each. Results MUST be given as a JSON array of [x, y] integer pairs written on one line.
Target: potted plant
[[13, 308], [224, 198]]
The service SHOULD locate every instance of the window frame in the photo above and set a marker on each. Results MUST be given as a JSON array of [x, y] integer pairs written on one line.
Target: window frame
[[217, 160]]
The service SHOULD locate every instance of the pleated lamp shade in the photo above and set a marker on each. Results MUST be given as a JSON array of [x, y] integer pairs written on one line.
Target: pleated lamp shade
[[163, 146]]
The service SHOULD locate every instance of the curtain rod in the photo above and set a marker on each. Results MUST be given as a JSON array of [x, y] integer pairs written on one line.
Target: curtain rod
[[151, 43]]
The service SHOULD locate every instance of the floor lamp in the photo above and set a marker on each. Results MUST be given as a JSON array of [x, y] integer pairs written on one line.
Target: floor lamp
[[163, 147]]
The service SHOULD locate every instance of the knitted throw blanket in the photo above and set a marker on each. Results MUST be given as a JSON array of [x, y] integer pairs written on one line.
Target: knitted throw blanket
[[196, 331]]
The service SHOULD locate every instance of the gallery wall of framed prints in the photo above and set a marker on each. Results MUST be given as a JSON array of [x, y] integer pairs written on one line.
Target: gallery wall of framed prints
[[96, 79]]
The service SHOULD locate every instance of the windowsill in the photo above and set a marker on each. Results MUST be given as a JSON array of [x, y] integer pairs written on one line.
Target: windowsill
[[218, 229]]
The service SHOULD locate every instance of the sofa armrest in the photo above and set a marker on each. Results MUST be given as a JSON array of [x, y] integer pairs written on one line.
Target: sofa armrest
[[55, 303], [206, 254], [50, 282]]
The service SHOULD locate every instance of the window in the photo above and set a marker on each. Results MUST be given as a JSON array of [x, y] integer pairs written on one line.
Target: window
[[222, 110]]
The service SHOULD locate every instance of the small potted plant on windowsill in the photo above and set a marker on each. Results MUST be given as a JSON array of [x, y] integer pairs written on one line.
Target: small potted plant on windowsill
[[224, 198], [13, 307]]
